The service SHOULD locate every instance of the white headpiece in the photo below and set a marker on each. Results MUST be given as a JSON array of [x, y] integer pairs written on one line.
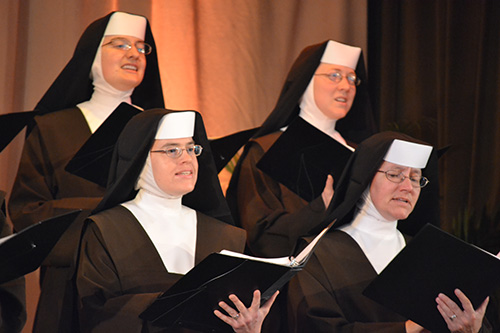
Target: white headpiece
[[341, 54], [409, 154], [121, 23]]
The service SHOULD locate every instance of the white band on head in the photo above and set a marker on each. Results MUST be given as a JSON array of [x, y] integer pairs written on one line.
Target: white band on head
[[341, 54], [121, 23], [408, 154], [176, 125]]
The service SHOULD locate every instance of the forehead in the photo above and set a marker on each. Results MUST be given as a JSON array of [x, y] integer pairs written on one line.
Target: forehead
[[130, 38], [333, 67], [392, 166], [172, 142]]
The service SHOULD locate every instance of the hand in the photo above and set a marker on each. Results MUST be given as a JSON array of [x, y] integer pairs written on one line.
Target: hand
[[246, 320], [468, 320], [327, 194], [412, 327]]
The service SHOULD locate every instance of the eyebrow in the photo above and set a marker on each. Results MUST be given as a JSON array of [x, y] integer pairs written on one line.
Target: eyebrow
[[177, 144]]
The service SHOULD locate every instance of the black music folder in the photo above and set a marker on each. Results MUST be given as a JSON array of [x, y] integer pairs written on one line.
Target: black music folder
[[23, 252], [93, 160], [303, 157], [190, 302], [434, 262]]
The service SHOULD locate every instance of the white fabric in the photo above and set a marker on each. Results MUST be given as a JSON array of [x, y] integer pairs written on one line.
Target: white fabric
[[378, 237], [408, 154], [170, 226], [341, 54], [121, 23], [105, 98], [176, 125], [310, 112]]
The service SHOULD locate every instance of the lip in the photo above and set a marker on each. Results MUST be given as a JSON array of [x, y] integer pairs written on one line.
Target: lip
[[184, 173], [402, 200], [130, 67]]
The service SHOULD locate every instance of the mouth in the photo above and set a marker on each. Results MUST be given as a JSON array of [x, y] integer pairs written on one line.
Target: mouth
[[402, 200], [184, 173], [341, 99], [130, 67]]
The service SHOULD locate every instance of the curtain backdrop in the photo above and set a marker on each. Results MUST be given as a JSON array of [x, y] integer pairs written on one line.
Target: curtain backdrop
[[225, 58], [435, 73]]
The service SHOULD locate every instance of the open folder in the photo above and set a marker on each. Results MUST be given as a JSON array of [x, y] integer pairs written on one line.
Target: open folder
[[23, 252], [434, 262], [191, 301]]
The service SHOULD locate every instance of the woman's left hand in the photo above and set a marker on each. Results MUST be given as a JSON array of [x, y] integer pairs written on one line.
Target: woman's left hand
[[246, 320], [468, 320]]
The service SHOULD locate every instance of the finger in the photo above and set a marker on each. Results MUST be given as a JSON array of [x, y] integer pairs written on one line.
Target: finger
[[229, 310], [228, 320], [466, 304], [444, 305], [267, 306], [449, 303], [239, 305], [482, 309], [446, 316], [256, 300]]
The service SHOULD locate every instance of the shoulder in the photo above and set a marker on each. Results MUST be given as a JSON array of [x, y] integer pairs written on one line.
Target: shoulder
[[61, 115]]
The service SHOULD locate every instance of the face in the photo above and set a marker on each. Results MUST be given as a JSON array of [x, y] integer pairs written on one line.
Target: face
[[174, 176], [333, 99], [122, 69], [394, 201]]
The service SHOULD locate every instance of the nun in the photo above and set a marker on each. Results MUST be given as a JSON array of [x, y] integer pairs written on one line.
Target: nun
[[108, 67], [381, 184], [163, 212], [282, 185]]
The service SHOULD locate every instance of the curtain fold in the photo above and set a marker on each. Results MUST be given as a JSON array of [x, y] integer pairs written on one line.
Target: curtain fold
[[434, 74]]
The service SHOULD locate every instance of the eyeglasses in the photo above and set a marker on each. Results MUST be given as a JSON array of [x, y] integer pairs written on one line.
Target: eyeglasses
[[176, 152], [125, 45], [398, 177], [336, 77]]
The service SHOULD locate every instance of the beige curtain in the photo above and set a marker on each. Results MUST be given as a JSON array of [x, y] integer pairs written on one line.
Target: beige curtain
[[224, 58]]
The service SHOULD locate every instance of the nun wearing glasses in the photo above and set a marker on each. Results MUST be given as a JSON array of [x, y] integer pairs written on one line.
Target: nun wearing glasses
[[280, 187], [107, 68], [382, 183], [163, 212]]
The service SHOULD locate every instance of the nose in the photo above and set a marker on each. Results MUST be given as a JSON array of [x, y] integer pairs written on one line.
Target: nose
[[406, 184], [133, 52], [344, 84]]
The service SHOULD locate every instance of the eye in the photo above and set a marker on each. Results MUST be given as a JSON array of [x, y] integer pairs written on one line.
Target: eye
[[335, 76], [393, 175], [352, 78], [174, 151]]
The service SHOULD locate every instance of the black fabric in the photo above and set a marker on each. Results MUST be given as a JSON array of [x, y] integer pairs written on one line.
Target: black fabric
[[73, 85], [131, 152], [11, 124], [303, 157], [361, 169]]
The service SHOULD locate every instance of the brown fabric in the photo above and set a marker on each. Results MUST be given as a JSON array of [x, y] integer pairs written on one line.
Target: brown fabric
[[273, 216], [326, 295], [12, 293], [120, 272], [43, 189]]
